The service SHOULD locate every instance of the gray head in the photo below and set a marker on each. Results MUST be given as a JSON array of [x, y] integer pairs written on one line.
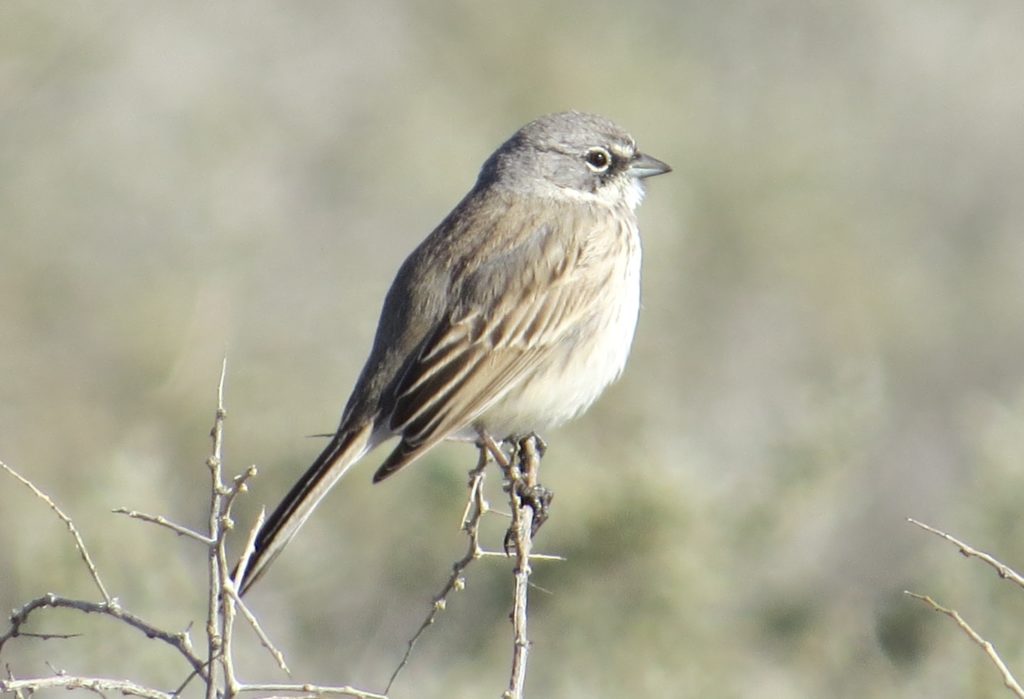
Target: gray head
[[572, 153]]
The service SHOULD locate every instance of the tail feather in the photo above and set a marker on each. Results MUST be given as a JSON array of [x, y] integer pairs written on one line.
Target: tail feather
[[344, 450], [403, 455]]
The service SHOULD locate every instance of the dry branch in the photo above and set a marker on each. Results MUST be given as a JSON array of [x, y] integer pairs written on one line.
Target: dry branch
[[179, 641], [217, 670], [1008, 679], [97, 685], [476, 508], [79, 543], [1004, 572]]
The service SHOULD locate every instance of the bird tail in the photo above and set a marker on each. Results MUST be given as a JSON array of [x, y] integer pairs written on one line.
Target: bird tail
[[345, 448]]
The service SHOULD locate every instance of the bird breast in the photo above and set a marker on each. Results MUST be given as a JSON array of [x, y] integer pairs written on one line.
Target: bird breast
[[588, 358]]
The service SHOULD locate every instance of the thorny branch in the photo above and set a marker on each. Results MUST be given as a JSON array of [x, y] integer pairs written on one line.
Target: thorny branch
[[179, 641], [520, 468], [97, 685], [1004, 572], [79, 544], [1008, 679], [216, 671], [527, 514], [476, 507], [223, 602]]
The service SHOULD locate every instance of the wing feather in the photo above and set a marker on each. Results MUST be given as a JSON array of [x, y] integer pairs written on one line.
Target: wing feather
[[512, 309]]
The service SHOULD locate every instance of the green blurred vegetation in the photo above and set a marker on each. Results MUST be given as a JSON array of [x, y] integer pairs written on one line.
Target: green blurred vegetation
[[832, 337]]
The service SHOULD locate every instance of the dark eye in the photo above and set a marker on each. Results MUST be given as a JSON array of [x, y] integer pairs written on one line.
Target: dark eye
[[598, 159]]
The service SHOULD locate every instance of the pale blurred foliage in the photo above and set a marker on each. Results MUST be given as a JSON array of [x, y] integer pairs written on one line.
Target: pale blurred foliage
[[832, 338]]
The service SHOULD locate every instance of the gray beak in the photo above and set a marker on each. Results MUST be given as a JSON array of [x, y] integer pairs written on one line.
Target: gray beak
[[643, 165]]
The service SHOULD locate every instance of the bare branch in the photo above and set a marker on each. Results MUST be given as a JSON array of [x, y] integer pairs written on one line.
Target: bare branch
[[94, 684], [1004, 571], [214, 630], [178, 641], [249, 549], [79, 544], [236, 602], [310, 690], [522, 479], [226, 617], [224, 600], [222, 604], [17, 692], [262, 635], [163, 522], [533, 556], [1008, 679], [495, 450], [239, 486], [49, 636], [476, 507]]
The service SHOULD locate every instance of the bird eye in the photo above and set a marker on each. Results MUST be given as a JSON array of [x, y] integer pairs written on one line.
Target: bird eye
[[598, 159]]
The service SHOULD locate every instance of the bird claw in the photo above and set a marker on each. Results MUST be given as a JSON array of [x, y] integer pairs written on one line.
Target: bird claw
[[538, 498]]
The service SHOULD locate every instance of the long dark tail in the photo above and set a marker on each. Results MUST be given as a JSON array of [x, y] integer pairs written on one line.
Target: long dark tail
[[344, 450]]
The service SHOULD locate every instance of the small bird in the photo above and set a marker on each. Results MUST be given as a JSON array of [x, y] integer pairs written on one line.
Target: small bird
[[511, 317]]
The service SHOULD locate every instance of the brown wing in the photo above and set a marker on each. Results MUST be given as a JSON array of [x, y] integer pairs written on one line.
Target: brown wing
[[513, 310]]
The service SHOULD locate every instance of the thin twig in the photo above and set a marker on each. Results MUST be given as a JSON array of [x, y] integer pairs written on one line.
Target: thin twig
[[223, 602], [476, 507], [1008, 679], [229, 598], [94, 684], [163, 522], [249, 549], [1004, 571], [522, 474], [19, 693], [50, 636], [533, 556], [239, 486], [179, 641], [79, 544], [233, 601], [261, 634], [227, 613], [495, 450], [310, 690], [217, 492]]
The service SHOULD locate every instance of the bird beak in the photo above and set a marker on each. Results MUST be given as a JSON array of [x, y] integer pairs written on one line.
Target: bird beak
[[643, 165]]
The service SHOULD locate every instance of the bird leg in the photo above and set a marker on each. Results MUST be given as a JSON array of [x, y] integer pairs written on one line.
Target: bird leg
[[521, 467], [531, 450], [528, 496]]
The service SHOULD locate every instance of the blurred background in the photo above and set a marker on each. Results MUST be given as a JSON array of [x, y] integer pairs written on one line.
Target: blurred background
[[831, 339]]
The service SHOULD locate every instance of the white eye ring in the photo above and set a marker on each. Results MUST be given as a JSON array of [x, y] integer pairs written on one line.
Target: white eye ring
[[598, 159]]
